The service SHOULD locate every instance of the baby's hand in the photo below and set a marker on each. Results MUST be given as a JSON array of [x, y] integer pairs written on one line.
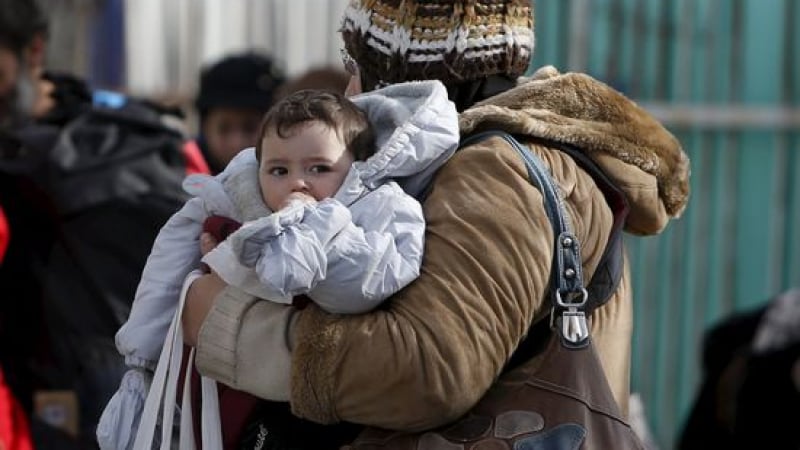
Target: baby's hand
[[215, 230], [297, 197], [207, 243]]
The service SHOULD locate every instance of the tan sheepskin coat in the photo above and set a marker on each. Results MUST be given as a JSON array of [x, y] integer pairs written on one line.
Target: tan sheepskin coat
[[431, 353]]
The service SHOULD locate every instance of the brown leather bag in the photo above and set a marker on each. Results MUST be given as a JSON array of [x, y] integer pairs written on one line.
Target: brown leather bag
[[554, 394], [560, 400]]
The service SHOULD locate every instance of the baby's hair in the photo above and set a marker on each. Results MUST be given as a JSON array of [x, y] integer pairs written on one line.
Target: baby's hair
[[332, 109]]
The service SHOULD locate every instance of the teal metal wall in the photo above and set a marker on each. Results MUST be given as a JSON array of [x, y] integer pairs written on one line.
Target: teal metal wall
[[723, 75]]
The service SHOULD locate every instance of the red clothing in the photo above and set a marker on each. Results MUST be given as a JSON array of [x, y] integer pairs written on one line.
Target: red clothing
[[5, 235], [195, 162], [14, 432]]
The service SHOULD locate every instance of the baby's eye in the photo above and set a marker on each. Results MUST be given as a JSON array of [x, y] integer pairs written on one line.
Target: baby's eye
[[320, 169], [277, 171]]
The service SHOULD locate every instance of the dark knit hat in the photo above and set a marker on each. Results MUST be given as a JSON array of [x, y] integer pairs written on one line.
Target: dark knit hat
[[20, 22], [246, 80], [449, 40]]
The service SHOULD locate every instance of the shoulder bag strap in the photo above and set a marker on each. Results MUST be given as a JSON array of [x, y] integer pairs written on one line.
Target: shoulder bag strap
[[568, 294]]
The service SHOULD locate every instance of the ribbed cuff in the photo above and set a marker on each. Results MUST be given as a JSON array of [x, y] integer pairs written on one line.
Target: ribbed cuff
[[216, 344], [243, 344]]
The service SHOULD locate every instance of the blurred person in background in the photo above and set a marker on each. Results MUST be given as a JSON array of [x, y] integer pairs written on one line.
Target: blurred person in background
[[749, 395], [87, 178], [234, 94], [436, 348], [327, 78]]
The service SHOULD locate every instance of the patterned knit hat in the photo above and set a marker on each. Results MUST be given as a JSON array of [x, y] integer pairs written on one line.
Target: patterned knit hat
[[449, 40]]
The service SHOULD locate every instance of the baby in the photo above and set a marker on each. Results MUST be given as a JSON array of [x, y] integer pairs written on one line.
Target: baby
[[346, 245]]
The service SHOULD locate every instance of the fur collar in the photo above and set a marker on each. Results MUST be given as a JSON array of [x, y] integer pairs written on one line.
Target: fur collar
[[576, 109]]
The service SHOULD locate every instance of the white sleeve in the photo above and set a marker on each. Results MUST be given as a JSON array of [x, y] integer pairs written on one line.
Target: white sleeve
[[346, 265], [375, 255], [175, 253]]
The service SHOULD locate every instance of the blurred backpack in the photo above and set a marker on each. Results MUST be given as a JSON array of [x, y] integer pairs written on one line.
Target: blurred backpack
[[86, 190]]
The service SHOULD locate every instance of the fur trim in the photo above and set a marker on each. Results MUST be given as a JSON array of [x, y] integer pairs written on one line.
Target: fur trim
[[576, 109], [309, 396]]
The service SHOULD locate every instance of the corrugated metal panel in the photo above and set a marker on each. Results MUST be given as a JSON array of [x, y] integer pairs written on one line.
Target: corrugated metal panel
[[182, 35], [732, 66]]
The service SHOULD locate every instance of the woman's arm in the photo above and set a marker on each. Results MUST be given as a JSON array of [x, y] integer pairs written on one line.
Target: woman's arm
[[200, 296], [199, 300], [269, 367], [435, 349]]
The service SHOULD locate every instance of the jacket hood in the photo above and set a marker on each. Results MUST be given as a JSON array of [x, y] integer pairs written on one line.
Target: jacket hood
[[622, 138], [416, 130]]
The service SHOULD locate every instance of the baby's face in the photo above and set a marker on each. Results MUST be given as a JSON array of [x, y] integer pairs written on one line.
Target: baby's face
[[312, 162]]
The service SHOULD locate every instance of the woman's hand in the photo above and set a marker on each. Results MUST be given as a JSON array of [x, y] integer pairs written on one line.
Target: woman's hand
[[199, 300], [200, 296]]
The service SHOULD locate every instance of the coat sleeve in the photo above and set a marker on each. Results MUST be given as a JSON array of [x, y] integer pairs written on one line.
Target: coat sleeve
[[175, 253], [346, 260], [434, 350], [375, 255]]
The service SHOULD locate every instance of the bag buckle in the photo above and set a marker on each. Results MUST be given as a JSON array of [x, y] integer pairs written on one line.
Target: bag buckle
[[574, 328]]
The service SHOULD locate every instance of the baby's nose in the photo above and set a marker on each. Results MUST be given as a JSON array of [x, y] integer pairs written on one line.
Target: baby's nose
[[299, 185]]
